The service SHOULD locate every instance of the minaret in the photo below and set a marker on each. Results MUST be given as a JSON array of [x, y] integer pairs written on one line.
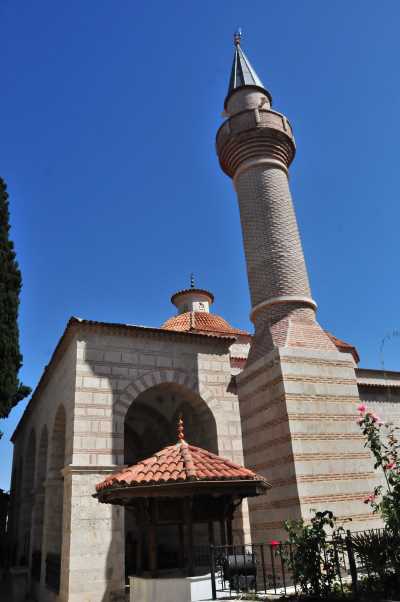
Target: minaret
[[297, 392], [255, 147]]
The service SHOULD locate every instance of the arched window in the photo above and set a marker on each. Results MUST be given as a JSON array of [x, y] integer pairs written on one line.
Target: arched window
[[28, 484], [54, 501]]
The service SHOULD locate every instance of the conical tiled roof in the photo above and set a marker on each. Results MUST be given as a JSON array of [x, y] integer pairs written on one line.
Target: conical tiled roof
[[180, 463]]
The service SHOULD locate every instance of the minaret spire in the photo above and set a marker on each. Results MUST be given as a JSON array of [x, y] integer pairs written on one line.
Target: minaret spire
[[242, 72]]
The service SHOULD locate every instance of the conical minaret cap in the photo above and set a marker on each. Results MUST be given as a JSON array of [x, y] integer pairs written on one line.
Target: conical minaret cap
[[242, 73]]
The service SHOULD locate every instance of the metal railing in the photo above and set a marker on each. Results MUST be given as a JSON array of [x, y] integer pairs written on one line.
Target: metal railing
[[347, 564]]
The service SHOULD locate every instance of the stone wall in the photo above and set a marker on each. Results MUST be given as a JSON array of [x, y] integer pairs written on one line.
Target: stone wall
[[384, 401], [299, 410], [39, 418]]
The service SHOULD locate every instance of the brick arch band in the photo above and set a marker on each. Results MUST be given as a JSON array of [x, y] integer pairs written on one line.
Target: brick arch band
[[159, 377]]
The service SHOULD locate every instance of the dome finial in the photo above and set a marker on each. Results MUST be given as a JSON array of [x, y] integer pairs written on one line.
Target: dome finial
[[192, 280], [237, 36], [181, 429]]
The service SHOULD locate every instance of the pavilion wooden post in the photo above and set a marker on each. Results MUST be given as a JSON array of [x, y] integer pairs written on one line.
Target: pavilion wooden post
[[229, 512], [222, 531], [229, 530], [181, 546], [152, 535], [140, 520], [189, 525], [139, 552], [211, 537]]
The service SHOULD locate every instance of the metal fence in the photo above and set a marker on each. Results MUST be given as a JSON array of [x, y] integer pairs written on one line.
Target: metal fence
[[348, 564]]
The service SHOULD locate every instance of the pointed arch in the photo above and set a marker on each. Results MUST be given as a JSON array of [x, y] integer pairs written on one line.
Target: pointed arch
[[57, 443], [53, 528], [150, 380]]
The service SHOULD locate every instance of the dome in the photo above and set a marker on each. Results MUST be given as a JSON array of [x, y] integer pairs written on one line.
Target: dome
[[193, 305], [200, 321]]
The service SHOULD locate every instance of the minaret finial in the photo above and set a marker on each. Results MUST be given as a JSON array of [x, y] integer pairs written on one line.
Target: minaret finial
[[192, 280], [181, 429], [237, 36]]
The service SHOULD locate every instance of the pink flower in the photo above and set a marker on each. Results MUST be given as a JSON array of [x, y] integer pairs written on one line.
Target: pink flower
[[274, 542], [361, 408], [390, 465], [376, 418], [370, 498]]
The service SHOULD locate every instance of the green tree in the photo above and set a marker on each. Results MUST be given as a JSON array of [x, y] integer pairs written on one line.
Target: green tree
[[11, 389]]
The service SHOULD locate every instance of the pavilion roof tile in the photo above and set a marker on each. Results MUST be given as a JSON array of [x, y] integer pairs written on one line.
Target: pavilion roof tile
[[179, 463]]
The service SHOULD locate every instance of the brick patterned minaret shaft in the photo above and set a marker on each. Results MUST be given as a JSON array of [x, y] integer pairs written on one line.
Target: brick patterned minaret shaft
[[255, 146]]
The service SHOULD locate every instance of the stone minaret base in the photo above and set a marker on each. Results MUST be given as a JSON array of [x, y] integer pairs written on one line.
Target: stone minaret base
[[299, 410], [285, 325]]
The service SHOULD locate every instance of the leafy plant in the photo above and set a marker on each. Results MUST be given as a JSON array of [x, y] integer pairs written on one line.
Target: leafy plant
[[378, 554], [312, 558], [376, 550]]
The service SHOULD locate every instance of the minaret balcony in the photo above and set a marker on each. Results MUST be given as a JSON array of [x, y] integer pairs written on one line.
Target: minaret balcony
[[253, 134]]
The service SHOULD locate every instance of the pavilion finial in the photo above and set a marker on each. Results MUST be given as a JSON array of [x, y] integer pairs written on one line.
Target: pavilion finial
[[181, 429], [192, 280], [237, 36]]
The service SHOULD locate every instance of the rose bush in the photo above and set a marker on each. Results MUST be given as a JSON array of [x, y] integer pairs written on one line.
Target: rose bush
[[382, 440]]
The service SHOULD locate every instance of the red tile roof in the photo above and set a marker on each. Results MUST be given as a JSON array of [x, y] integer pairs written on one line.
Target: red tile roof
[[200, 321], [344, 347], [180, 463]]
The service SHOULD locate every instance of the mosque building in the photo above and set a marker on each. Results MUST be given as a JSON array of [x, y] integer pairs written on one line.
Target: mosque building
[[280, 401]]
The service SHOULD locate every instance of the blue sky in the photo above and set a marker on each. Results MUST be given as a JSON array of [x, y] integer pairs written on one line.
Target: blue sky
[[108, 118]]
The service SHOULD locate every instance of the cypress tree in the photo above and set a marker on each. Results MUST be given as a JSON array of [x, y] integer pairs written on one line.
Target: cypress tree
[[11, 389]]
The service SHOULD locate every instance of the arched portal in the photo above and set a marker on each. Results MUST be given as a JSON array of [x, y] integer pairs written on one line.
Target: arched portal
[[151, 424], [27, 498], [54, 501], [38, 509]]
